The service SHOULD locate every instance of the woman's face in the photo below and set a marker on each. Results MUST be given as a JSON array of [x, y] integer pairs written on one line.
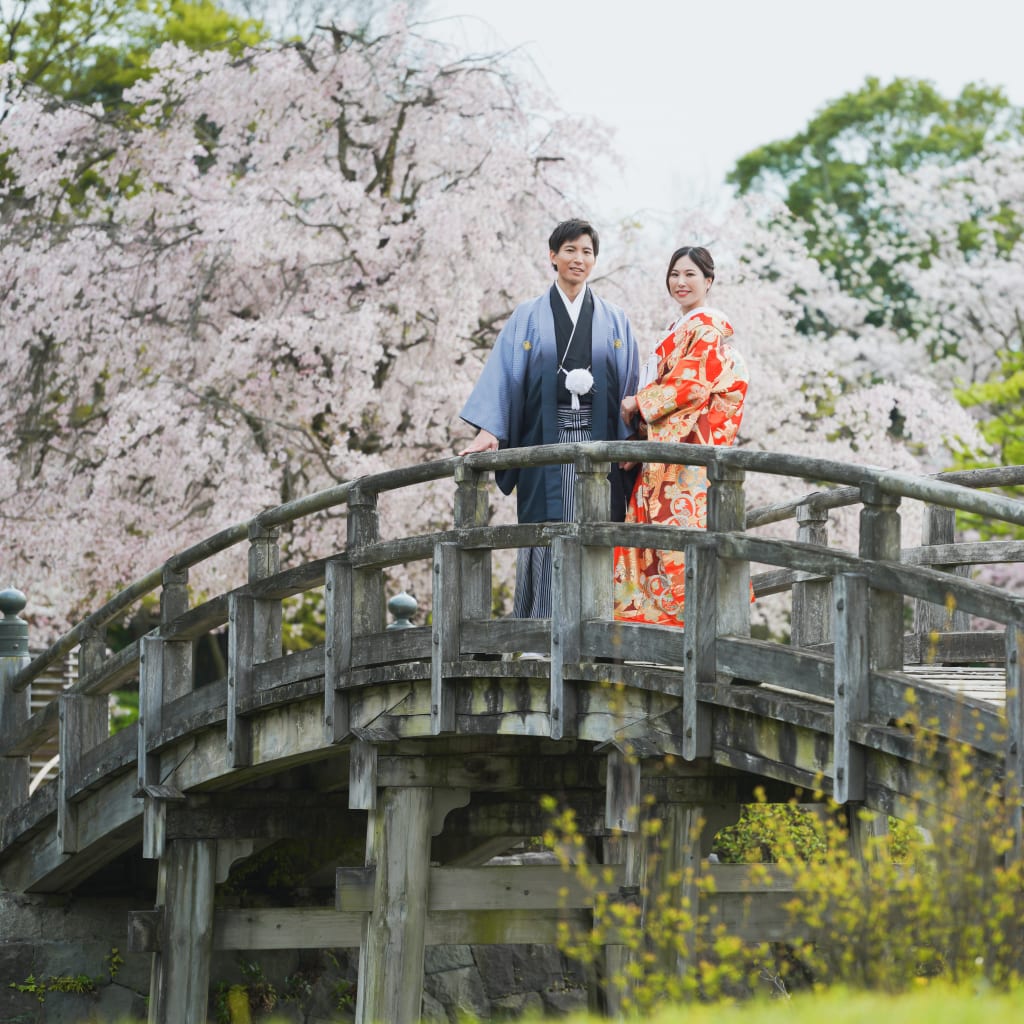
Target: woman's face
[[687, 283]]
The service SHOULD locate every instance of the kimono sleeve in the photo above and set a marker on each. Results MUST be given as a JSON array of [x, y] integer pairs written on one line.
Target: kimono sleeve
[[687, 378], [490, 402], [629, 375]]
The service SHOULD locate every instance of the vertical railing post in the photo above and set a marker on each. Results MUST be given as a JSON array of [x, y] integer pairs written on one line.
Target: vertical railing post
[[851, 681], [337, 647], [593, 505], [165, 674], [727, 514], [811, 618], [939, 527], [700, 634], [471, 510], [581, 591], [15, 706], [446, 635], [354, 599], [254, 637], [880, 541], [264, 562], [83, 723], [241, 659], [1014, 768], [367, 584], [177, 654], [566, 632]]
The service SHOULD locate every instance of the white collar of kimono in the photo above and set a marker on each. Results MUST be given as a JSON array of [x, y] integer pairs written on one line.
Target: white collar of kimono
[[573, 306], [694, 312]]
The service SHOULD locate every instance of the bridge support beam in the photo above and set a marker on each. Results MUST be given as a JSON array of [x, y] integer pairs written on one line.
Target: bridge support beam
[[391, 954], [661, 869], [180, 978]]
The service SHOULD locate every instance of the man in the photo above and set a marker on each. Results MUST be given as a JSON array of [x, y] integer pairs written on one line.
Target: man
[[557, 374]]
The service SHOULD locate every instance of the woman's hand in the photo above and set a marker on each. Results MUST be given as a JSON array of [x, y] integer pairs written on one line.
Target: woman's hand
[[485, 441], [629, 409]]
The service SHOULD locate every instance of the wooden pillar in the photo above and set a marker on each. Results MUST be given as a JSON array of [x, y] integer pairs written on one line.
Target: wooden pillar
[[593, 505], [566, 632], [626, 850], [699, 647], [727, 514], [241, 658], [880, 541], [15, 705], [151, 702], [446, 635], [939, 527], [672, 877], [254, 637], [264, 562], [811, 618], [851, 681], [471, 510], [180, 975], [165, 674], [581, 591], [867, 829], [83, 723], [391, 953], [176, 654], [368, 613], [337, 648], [354, 601], [661, 868], [1014, 769]]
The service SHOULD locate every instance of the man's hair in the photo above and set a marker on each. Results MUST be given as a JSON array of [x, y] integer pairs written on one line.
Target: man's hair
[[569, 231]]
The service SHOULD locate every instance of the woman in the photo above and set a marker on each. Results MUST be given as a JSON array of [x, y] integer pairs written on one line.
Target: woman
[[692, 391]]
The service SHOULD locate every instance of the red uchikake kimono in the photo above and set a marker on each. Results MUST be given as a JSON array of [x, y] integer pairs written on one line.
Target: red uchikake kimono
[[696, 397]]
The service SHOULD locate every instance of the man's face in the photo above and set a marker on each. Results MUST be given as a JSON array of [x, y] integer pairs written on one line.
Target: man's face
[[574, 261]]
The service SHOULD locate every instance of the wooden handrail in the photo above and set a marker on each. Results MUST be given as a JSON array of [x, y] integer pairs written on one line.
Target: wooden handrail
[[952, 490]]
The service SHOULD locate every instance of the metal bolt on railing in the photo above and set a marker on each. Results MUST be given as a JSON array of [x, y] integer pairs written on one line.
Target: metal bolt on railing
[[403, 607]]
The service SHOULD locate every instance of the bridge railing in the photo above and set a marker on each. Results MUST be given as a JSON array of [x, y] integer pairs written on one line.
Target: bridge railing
[[871, 584]]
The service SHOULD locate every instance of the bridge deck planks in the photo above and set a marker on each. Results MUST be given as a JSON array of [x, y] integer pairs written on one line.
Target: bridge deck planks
[[987, 684]]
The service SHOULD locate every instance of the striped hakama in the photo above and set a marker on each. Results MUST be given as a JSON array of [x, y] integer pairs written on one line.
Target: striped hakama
[[533, 568]]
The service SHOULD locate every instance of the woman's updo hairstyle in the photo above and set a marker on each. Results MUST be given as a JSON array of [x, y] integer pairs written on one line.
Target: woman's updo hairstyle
[[700, 256]]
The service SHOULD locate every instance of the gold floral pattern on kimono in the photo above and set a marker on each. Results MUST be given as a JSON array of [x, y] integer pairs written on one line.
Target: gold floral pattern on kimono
[[696, 398]]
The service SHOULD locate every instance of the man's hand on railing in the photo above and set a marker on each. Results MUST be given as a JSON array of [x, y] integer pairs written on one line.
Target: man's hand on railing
[[485, 441]]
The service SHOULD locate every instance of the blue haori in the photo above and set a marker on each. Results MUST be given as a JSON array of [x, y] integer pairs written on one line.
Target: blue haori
[[533, 568]]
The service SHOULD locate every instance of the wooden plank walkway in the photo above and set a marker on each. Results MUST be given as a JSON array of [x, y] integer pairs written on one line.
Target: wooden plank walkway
[[988, 683]]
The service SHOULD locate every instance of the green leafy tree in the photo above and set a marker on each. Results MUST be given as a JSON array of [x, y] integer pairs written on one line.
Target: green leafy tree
[[92, 50], [831, 174], [999, 402]]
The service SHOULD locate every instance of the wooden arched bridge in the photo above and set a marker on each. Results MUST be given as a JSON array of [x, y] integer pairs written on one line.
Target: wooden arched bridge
[[435, 744]]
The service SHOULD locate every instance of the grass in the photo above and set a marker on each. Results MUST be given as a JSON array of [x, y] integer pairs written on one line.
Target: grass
[[926, 1004]]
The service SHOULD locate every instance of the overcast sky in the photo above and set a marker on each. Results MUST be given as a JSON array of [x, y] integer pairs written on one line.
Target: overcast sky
[[689, 87]]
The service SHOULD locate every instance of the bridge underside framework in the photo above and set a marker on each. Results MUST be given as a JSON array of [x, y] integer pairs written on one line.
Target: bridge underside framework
[[432, 749]]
